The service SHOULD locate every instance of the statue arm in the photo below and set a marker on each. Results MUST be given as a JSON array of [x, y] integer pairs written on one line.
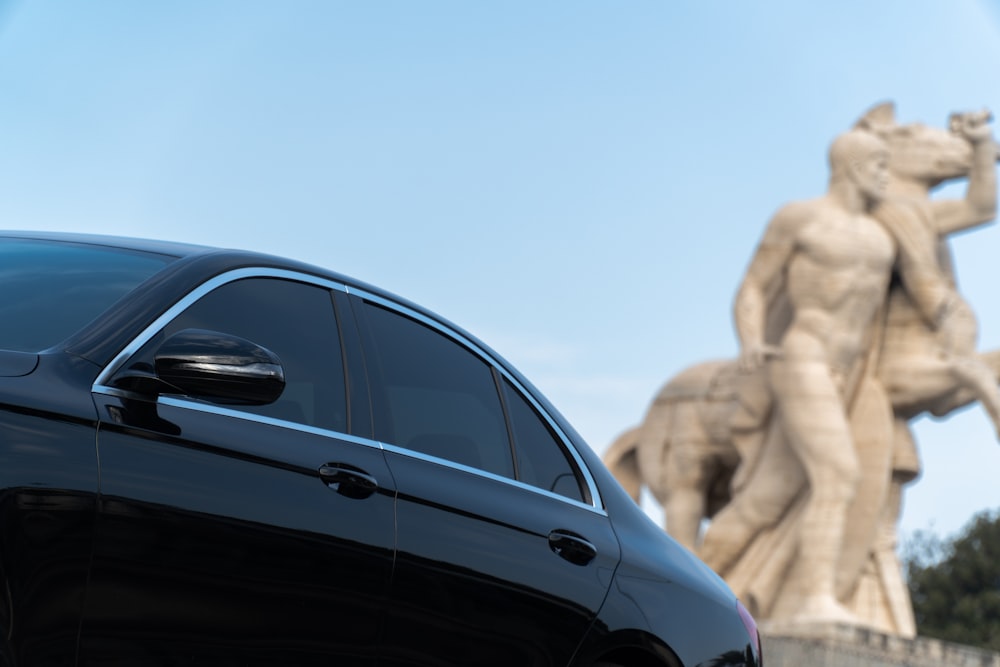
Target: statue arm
[[980, 203], [766, 268], [912, 227]]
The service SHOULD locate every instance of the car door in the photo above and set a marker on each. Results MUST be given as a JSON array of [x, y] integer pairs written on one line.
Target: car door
[[241, 534], [502, 558]]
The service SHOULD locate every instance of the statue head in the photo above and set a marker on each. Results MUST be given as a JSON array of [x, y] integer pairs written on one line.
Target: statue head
[[861, 158]]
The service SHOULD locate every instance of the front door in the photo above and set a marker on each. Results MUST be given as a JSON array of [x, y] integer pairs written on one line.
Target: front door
[[236, 534]]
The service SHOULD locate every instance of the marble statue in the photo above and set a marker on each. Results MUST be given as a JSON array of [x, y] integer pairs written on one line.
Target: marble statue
[[827, 263], [850, 324]]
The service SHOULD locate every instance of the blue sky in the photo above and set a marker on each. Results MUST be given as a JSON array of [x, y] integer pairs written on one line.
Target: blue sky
[[579, 182]]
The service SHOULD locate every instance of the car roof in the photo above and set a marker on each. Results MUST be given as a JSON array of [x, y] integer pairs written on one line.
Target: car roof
[[200, 262], [207, 258], [143, 245], [203, 259]]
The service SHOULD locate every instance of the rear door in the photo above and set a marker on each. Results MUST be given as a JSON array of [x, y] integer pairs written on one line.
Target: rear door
[[503, 554], [236, 534]]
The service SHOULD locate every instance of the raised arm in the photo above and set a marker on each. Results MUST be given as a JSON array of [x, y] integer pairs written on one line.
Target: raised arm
[[766, 269], [980, 203]]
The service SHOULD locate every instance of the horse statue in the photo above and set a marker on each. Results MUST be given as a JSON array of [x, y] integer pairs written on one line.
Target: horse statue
[[696, 439]]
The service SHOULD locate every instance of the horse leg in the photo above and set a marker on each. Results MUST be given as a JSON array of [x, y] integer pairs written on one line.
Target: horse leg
[[963, 395], [942, 383], [674, 460], [691, 470], [991, 360], [981, 379], [976, 374]]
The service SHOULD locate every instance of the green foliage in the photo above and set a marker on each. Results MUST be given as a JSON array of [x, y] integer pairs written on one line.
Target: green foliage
[[955, 584]]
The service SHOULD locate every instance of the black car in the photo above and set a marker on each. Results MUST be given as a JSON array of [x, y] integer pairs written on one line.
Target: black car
[[220, 457]]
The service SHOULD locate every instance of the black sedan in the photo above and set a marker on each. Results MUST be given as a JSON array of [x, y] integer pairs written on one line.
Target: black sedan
[[220, 457]]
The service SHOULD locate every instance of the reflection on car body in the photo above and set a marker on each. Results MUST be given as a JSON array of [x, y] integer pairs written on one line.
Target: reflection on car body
[[222, 457]]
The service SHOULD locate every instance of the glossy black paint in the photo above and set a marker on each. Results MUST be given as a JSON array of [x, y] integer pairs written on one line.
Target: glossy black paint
[[49, 482], [475, 564], [217, 366], [219, 538], [151, 530], [684, 593]]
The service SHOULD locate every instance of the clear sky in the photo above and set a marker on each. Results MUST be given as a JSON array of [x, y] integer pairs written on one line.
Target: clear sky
[[578, 182]]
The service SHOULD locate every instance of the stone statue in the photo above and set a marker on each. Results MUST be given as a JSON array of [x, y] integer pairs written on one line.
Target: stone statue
[[827, 263], [701, 448]]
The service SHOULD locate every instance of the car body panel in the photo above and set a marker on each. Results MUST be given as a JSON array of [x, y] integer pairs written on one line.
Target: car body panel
[[48, 499], [218, 538], [162, 529], [477, 580]]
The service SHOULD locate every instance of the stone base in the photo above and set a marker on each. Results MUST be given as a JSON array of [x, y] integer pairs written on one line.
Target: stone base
[[849, 646]]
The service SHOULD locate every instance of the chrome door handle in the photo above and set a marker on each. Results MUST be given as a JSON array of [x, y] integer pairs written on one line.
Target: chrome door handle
[[571, 547], [348, 480]]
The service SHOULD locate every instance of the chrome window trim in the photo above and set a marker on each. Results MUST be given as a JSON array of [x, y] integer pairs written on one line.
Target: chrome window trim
[[100, 385], [581, 465], [222, 279], [489, 475], [200, 406]]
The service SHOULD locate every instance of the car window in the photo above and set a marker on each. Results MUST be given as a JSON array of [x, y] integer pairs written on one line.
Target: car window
[[52, 289], [295, 321], [433, 395], [541, 459]]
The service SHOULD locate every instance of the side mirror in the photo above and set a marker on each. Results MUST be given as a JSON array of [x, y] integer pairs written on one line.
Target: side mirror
[[219, 367]]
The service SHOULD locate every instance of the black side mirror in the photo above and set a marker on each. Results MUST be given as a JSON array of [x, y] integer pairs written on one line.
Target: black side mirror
[[219, 367]]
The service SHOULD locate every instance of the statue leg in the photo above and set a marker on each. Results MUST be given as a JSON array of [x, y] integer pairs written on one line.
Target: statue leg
[[816, 427], [760, 503], [897, 595], [690, 470]]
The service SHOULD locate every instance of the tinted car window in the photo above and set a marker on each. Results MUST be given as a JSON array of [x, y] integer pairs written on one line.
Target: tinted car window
[[295, 321], [541, 460], [434, 396], [51, 289]]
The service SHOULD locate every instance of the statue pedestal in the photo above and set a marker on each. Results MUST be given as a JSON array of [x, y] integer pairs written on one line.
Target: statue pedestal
[[849, 646]]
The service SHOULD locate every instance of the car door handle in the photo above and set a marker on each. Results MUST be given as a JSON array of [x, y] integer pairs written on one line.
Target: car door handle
[[572, 547], [348, 480]]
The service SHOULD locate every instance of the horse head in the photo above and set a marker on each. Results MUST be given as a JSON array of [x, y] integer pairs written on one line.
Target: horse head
[[920, 153]]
